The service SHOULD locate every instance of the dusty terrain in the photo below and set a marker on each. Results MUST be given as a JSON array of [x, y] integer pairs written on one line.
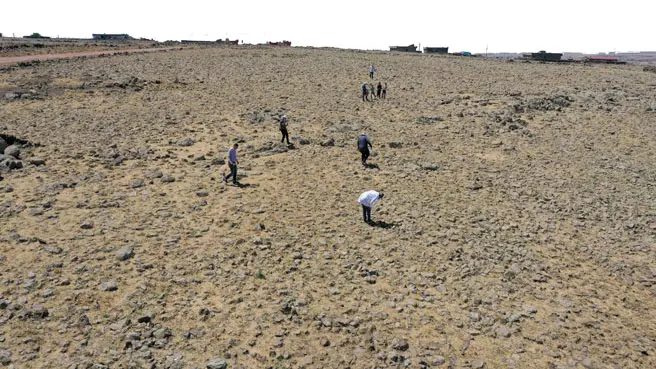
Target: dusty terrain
[[517, 231], [16, 46]]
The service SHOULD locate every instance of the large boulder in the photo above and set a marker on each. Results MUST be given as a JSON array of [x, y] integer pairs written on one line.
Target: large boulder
[[3, 145]]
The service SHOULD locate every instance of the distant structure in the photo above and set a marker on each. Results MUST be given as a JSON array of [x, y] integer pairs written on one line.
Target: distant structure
[[544, 56], [463, 53], [406, 49], [111, 36], [602, 59], [436, 50], [280, 43], [220, 42], [35, 35]]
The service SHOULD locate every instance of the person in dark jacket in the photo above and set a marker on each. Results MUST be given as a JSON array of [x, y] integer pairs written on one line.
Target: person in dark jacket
[[378, 90], [283, 129], [363, 146], [365, 92]]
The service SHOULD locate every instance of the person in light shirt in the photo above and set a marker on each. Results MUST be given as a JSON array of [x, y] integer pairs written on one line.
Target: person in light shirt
[[232, 164], [367, 200]]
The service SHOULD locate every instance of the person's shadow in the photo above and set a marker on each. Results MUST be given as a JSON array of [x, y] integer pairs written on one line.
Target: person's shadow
[[242, 185], [382, 224], [372, 166]]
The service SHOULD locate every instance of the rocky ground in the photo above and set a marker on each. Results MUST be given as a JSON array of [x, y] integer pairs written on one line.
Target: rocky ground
[[10, 46], [517, 229]]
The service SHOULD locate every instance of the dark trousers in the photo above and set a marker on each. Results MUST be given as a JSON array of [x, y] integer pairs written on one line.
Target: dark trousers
[[366, 213], [233, 173], [371, 75], [365, 155], [285, 134], [378, 93]]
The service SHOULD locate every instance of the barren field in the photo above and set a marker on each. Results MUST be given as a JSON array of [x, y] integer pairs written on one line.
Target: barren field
[[10, 46], [517, 230]]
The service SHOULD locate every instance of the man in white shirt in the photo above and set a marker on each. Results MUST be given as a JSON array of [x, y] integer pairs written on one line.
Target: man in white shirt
[[367, 200]]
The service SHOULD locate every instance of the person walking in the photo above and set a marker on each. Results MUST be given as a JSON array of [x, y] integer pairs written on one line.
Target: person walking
[[232, 164], [283, 129], [363, 146], [385, 91], [365, 92], [367, 200], [372, 69], [378, 90], [373, 91]]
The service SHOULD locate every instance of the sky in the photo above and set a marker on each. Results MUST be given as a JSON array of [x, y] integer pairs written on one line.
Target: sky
[[462, 25]]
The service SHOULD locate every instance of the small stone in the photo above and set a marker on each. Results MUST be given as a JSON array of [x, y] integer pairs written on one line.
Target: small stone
[[38, 311], [216, 364], [86, 225], [136, 183], [202, 193], [5, 357], [6, 188], [400, 344], [108, 286], [395, 144], [162, 333], [437, 360], [328, 142], [218, 161], [146, 317], [478, 364], [36, 161], [13, 150], [132, 336], [124, 253], [502, 332], [185, 142], [167, 179], [53, 249], [324, 342], [47, 292]]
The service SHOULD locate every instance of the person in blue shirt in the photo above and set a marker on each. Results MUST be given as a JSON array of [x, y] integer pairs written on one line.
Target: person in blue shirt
[[365, 92]]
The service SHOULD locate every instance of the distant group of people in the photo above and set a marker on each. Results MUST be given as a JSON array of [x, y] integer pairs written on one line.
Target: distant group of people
[[379, 92]]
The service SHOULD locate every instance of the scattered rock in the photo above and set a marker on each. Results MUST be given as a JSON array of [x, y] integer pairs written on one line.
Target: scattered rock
[[400, 344], [146, 317], [13, 150], [328, 142], [186, 142], [86, 225], [37, 311], [216, 364], [395, 144], [36, 161], [124, 253], [136, 183], [108, 286], [167, 179], [502, 331]]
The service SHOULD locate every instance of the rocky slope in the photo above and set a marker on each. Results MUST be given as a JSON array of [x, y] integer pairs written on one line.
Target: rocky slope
[[517, 228]]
